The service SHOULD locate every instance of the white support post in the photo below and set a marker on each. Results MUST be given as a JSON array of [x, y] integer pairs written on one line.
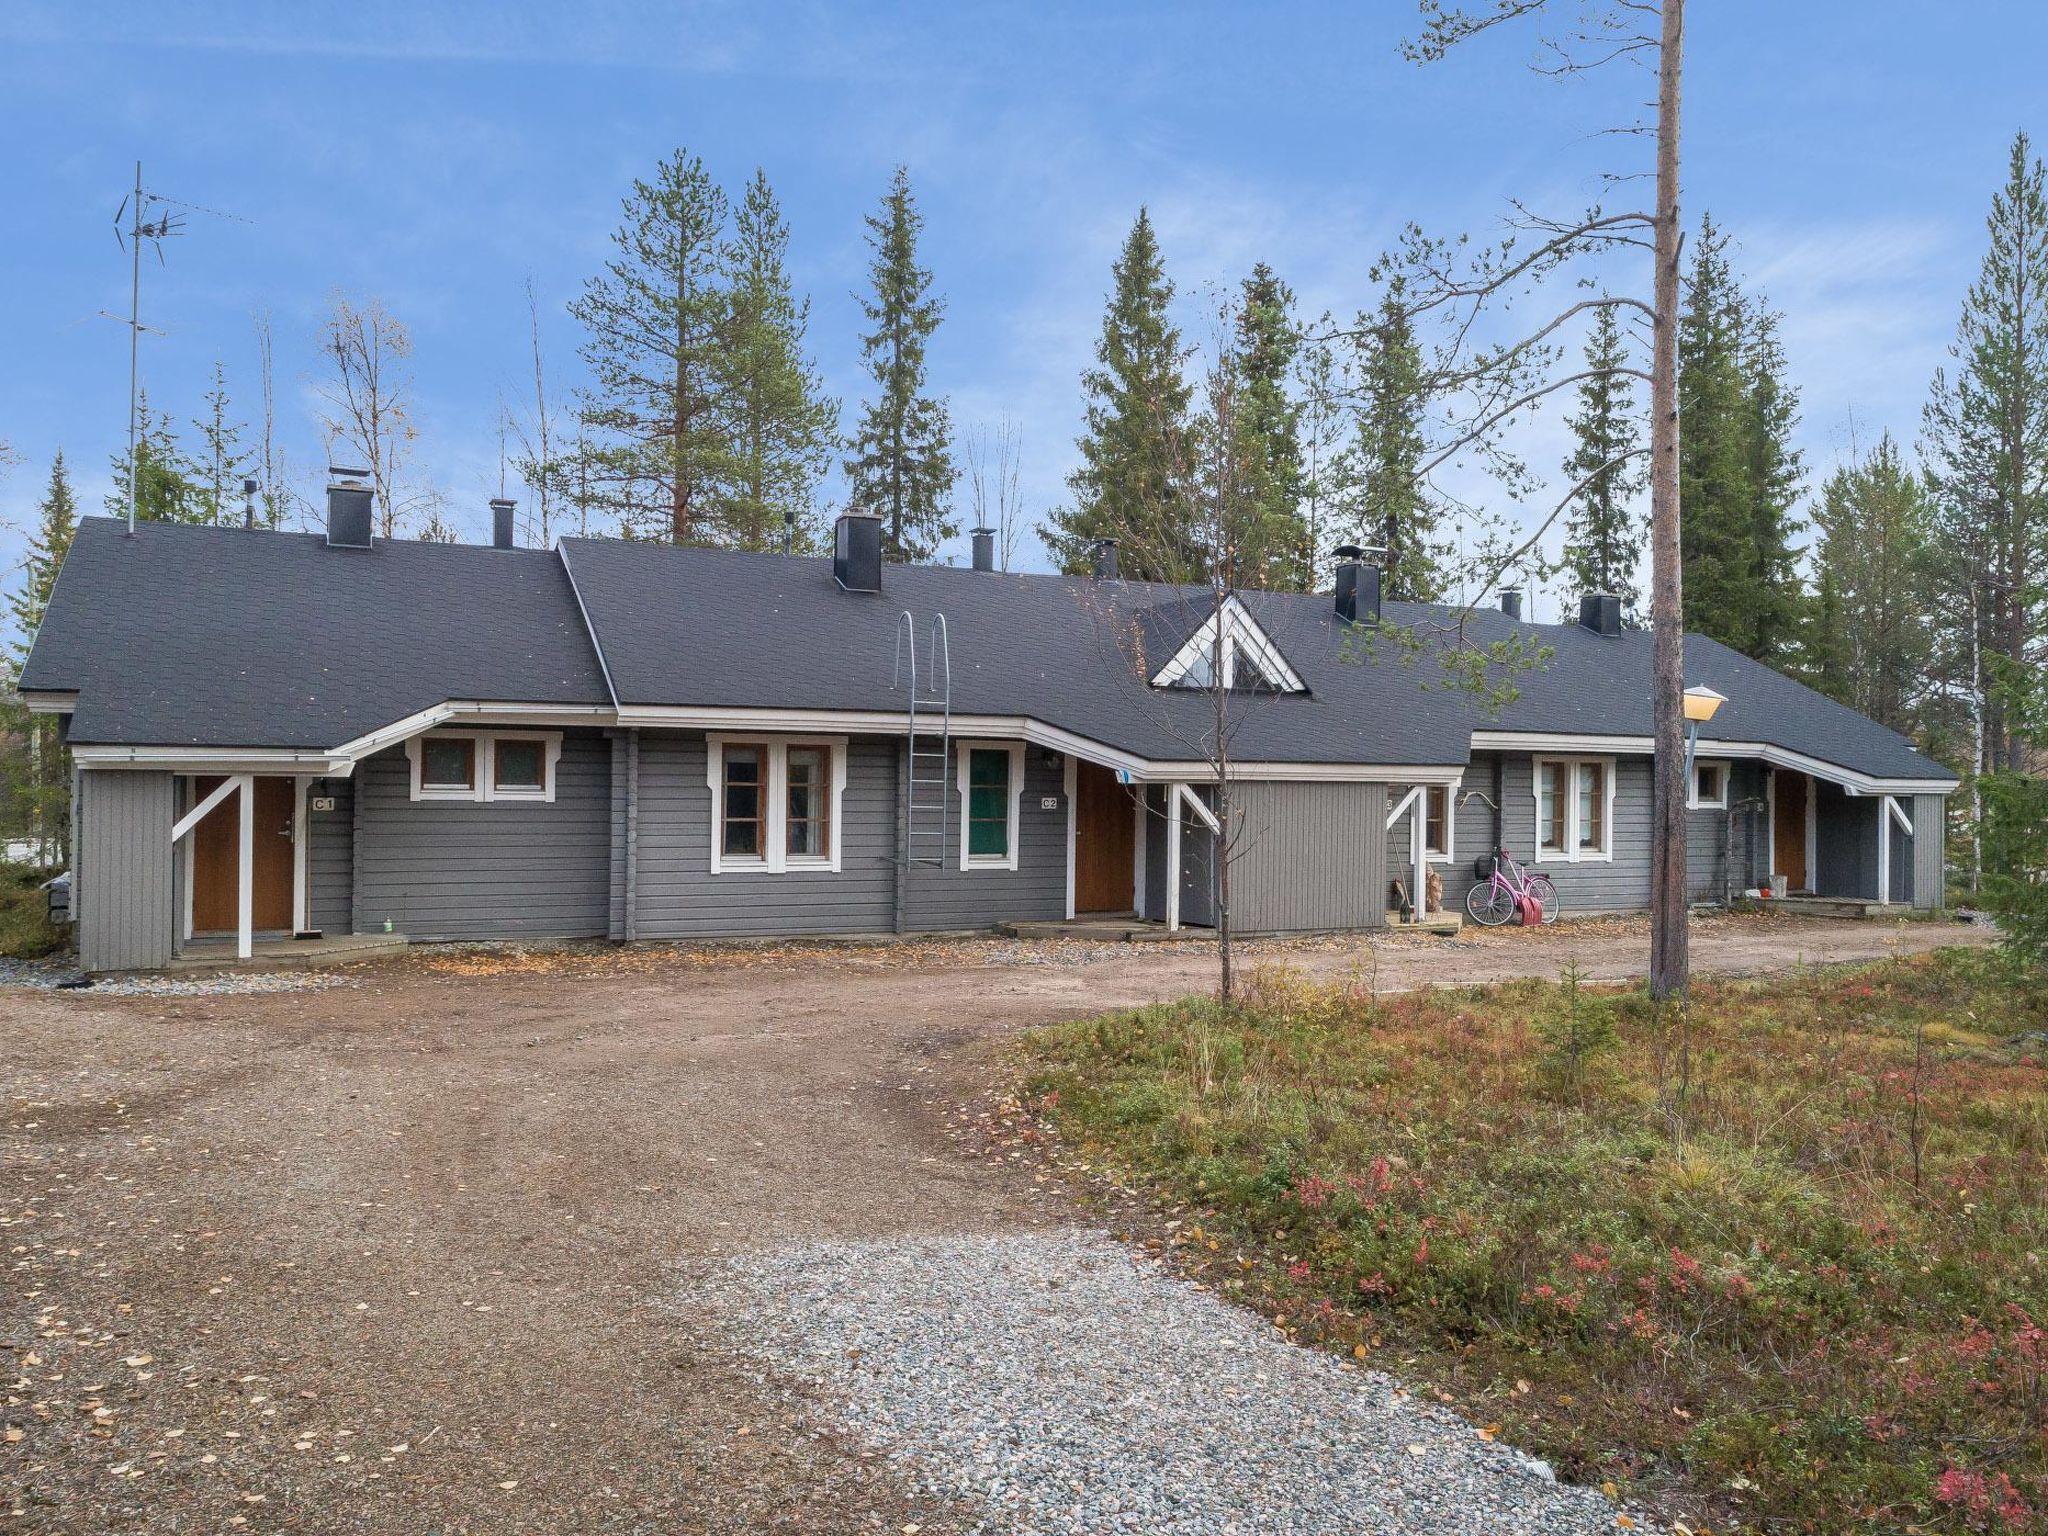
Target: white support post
[[245, 892], [1884, 851], [300, 924], [1173, 857], [1067, 790], [1416, 856]]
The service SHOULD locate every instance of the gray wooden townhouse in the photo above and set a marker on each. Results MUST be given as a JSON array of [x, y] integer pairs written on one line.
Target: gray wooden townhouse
[[283, 733]]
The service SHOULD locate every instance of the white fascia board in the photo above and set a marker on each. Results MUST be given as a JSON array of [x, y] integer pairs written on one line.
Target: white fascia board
[[50, 701], [326, 765], [1849, 779], [1309, 773]]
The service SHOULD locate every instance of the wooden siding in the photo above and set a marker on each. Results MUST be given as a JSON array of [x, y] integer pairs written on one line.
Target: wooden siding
[[621, 916], [1309, 857], [949, 897], [123, 892], [1155, 853], [1930, 850], [330, 857], [677, 896], [1845, 841], [439, 869]]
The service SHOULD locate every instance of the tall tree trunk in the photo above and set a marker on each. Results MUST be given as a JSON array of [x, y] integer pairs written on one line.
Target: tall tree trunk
[[1669, 963]]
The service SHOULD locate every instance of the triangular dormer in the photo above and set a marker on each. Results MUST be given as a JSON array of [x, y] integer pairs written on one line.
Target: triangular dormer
[[1251, 661]]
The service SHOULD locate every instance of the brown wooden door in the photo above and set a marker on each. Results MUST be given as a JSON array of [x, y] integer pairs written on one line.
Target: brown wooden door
[[216, 862], [1788, 829], [1105, 841]]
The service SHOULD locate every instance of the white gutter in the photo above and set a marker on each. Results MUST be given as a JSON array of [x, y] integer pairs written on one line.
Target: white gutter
[[1849, 779]]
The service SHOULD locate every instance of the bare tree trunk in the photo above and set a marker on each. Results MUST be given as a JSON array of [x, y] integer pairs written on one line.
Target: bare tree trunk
[[1669, 963]]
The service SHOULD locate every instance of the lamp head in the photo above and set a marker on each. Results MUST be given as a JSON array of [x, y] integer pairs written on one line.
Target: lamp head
[[1701, 702]]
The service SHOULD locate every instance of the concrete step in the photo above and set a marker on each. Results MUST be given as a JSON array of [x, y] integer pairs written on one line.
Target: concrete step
[[1844, 907]]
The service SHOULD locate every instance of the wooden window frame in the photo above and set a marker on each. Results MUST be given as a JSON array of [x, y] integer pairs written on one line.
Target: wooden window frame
[[775, 857], [484, 788], [1441, 855], [1572, 767], [963, 780]]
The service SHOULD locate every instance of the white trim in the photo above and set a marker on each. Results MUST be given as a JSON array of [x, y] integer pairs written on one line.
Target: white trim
[[1068, 788], [1240, 628], [199, 812], [1782, 757], [1572, 853], [1172, 858], [1307, 773], [1202, 812], [245, 867], [1401, 809], [1884, 854], [1450, 822], [960, 779], [187, 861], [1693, 802], [775, 857], [299, 851], [49, 701], [1899, 814], [211, 760], [483, 787], [1812, 834]]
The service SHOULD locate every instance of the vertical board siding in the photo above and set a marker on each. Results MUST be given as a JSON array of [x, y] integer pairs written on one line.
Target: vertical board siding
[[124, 895], [1155, 853], [1930, 852], [1308, 857], [949, 897], [677, 896], [330, 857], [439, 869], [1845, 842]]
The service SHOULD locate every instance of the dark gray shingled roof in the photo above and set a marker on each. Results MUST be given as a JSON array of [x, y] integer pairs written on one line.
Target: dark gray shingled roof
[[220, 637], [184, 636]]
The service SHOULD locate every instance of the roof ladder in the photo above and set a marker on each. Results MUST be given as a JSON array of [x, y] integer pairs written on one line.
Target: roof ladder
[[928, 737]]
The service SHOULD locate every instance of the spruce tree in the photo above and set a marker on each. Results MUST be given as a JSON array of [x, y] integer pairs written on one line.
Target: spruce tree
[[1986, 444], [1393, 507], [655, 322], [1134, 450], [901, 468], [1772, 477], [1603, 541], [1870, 638], [220, 460], [1277, 552], [37, 779], [1712, 456], [165, 491], [782, 425]]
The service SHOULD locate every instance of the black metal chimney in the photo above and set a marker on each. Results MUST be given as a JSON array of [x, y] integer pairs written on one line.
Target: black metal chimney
[[857, 552], [1358, 587], [1105, 560], [1601, 613], [984, 549], [502, 536], [1511, 602], [248, 503], [348, 508]]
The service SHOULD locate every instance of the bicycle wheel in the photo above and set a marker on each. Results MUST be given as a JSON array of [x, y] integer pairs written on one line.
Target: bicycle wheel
[[1490, 903], [1546, 896]]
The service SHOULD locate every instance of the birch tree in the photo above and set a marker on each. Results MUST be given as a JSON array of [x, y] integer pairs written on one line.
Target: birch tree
[[366, 395]]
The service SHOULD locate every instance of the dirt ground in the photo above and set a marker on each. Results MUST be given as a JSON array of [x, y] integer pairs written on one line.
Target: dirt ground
[[391, 1257]]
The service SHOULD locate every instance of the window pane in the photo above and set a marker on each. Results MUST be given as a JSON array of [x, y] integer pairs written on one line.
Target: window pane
[[988, 804], [809, 804], [448, 762], [743, 802], [1437, 801], [1550, 805], [1592, 805], [517, 765]]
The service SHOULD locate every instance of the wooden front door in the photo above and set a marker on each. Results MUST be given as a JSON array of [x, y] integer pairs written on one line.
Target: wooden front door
[[1105, 841], [1788, 829], [216, 860]]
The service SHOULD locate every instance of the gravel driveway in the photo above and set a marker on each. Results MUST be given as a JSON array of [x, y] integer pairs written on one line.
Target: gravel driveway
[[402, 1255]]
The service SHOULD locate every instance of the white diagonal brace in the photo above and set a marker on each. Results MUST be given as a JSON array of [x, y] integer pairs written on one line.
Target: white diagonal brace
[[197, 814]]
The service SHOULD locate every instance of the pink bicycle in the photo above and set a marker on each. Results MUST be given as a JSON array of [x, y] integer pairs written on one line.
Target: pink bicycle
[[1495, 898]]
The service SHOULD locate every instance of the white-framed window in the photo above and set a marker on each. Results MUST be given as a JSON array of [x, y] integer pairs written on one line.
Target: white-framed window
[[1251, 661], [1709, 786], [775, 802], [1574, 809], [991, 779], [484, 766], [1439, 826]]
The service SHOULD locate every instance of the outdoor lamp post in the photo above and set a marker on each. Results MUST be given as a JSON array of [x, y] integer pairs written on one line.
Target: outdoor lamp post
[[1700, 703]]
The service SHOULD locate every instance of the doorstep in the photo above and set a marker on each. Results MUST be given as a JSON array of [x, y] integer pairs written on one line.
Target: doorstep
[[285, 953]]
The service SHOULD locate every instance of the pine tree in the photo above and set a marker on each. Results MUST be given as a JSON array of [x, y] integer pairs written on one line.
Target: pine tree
[[656, 322], [165, 491], [1868, 626], [1986, 439], [1134, 449], [37, 779], [221, 460], [901, 468], [1277, 551], [782, 425], [1325, 477], [1393, 506], [1603, 542]]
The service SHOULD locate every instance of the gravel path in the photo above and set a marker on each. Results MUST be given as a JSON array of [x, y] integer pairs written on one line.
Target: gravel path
[[1070, 1387], [60, 974]]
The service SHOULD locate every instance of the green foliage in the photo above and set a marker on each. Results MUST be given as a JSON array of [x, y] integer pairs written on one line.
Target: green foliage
[[35, 772], [2014, 826], [1130, 485], [26, 932], [1603, 539], [163, 480], [1276, 550], [1867, 640], [1392, 506], [901, 468], [1738, 474], [1820, 1310], [655, 323], [783, 426], [220, 461]]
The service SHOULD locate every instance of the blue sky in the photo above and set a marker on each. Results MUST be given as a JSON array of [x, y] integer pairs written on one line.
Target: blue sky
[[439, 156]]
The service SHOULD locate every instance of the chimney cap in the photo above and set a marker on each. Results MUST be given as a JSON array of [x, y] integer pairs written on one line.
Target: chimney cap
[[1349, 552]]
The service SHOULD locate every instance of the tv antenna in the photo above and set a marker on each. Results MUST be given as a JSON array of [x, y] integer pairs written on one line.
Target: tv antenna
[[152, 220]]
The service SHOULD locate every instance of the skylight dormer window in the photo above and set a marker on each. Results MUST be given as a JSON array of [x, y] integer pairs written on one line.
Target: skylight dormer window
[[1251, 662]]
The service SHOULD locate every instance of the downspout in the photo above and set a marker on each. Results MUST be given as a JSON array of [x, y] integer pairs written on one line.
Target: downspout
[[1500, 802]]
